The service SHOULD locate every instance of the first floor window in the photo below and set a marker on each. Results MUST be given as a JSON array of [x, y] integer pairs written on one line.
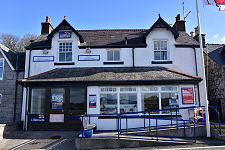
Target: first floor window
[[38, 101], [113, 55], [65, 51], [1, 68], [160, 50]]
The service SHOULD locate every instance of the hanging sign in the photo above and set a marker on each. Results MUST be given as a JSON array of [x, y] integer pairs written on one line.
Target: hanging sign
[[65, 34], [37, 119], [56, 118], [92, 101], [187, 95]]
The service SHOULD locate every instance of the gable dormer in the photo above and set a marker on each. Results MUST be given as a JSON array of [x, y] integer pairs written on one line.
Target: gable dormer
[[64, 26], [161, 24]]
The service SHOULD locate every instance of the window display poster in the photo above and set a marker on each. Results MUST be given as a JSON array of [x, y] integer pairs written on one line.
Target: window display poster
[[57, 101], [92, 101], [187, 95]]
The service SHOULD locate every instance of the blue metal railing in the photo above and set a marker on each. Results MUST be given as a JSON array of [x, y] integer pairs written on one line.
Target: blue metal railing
[[215, 108], [173, 118]]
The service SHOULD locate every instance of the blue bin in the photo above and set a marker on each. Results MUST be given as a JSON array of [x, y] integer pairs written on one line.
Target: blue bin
[[200, 113], [88, 133]]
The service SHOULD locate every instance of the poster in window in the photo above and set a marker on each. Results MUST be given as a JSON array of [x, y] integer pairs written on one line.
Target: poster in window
[[187, 95], [92, 101], [56, 118], [57, 101]]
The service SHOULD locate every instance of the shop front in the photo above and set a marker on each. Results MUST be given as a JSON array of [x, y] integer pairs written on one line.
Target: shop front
[[56, 108]]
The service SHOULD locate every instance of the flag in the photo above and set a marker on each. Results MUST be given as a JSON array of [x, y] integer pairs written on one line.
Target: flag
[[218, 3]]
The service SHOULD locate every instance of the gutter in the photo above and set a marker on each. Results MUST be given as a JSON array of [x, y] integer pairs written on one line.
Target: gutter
[[17, 74], [133, 57]]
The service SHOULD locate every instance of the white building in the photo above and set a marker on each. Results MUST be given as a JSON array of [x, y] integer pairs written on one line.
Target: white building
[[71, 72]]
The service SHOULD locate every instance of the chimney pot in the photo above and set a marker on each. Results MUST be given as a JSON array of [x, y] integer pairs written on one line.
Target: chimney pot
[[65, 17], [48, 19], [178, 17], [196, 31], [192, 34]]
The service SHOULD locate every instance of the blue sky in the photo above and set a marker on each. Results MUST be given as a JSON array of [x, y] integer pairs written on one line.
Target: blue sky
[[25, 16]]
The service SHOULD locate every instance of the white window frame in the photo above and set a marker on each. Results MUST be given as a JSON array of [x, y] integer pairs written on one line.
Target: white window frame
[[118, 94], [159, 91], [2, 59], [0, 98], [168, 53], [113, 55], [65, 41]]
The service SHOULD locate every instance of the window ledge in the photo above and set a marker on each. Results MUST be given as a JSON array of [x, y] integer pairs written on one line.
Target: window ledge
[[113, 63], [152, 116], [64, 63], [162, 62]]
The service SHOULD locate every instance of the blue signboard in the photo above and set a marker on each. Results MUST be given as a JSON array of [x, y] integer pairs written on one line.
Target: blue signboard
[[65, 34], [37, 119]]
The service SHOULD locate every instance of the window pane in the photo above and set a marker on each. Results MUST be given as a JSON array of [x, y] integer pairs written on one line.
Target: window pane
[[108, 103], [110, 55], [116, 55], [128, 102], [127, 89], [77, 100], [163, 55], [1, 72], [150, 102], [0, 98], [155, 45], [68, 56], [169, 88], [61, 56], [38, 101], [150, 89], [1, 63], [57, 98], [157, 55], [169, 100]]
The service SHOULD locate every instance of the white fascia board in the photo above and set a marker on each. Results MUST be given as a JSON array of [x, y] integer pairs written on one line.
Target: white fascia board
[[10, 65]]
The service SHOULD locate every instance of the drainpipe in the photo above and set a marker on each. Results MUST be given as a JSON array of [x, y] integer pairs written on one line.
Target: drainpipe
[[196, 69], [133, 57], [17, 73]]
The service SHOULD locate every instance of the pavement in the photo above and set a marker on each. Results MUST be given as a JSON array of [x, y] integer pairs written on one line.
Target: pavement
[[62, 140]]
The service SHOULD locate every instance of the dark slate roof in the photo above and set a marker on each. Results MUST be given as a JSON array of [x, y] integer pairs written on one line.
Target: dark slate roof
[[116, 38], [112, 75], [17, 59], [217, 53]]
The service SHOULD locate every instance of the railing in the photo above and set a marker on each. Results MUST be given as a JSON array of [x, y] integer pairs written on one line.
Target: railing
[[215, 108], [173, 118]]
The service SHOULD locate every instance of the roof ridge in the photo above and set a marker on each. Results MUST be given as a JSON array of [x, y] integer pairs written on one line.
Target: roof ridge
[[100, 30]]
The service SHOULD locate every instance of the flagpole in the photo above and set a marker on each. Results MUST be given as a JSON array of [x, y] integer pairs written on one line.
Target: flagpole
[[203, 67]]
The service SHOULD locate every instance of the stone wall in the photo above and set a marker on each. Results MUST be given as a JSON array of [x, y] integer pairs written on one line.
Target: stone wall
[[215, 75], [7, 89]]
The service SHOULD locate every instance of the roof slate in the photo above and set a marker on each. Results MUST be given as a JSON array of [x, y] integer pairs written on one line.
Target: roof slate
[[108, 74], [216, 52], [112, 38]]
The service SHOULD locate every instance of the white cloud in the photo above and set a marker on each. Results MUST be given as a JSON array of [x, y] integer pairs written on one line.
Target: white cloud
[[223, 39], [216, 36]]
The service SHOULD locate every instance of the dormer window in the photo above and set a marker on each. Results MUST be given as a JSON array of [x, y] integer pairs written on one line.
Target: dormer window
[[65, 51], [113, 55], [160, 50]]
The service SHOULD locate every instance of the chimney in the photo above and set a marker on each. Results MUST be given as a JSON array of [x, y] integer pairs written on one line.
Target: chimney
[[179, 25], [196, 37], [46, 27], [192, 34]]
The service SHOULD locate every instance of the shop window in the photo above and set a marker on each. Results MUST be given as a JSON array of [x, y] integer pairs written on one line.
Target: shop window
[[160, 50], [65, 52], [1, 68], [77, 100], [57, 98], [169, 100], [108, 89], [113, 55], [149, 89], [150, 102], [127, 89], [38, 97], [108, 103], [128, 102]]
